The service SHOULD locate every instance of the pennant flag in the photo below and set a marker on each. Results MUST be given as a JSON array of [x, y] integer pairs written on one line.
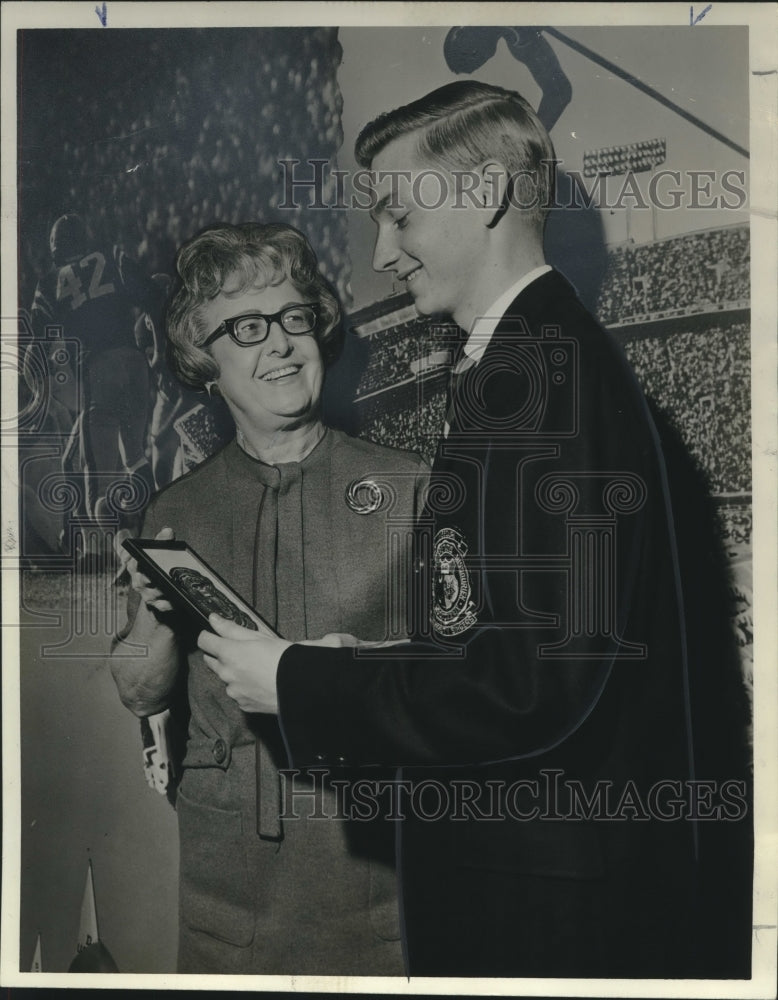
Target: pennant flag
[[87, 926], [37, 964], [157, 762], [92, 955]]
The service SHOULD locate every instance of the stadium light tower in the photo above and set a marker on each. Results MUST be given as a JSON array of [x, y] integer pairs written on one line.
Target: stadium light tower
[[633, 157]]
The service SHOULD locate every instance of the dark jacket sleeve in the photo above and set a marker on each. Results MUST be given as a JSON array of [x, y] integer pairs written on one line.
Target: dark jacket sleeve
[[337, 706]]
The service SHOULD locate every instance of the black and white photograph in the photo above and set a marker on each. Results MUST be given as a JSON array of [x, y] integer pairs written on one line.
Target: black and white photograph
[[388, 504]]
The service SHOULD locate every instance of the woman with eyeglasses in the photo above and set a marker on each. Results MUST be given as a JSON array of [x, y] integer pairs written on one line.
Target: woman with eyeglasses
[[310, 527]]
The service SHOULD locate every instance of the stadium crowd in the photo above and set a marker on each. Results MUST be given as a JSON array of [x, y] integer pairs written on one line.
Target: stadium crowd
[[197, 139], [698, 270], [147, 159], [395, 353], [736, 523], [702, 381], [404, 420], [391, 354]]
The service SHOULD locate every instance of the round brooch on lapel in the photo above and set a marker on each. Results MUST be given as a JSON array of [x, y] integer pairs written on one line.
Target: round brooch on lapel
[[364, 496]]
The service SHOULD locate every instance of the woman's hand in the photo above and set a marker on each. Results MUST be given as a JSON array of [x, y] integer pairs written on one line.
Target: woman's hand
[[246, 661], [145, 682], [151, 596]]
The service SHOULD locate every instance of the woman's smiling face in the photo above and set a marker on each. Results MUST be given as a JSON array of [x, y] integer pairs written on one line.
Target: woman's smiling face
[[276, 382]]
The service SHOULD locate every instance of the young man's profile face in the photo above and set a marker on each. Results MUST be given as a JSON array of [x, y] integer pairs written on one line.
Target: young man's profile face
[[429, 234]]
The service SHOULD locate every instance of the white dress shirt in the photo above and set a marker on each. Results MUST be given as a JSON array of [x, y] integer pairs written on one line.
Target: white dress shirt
[[484, 326]]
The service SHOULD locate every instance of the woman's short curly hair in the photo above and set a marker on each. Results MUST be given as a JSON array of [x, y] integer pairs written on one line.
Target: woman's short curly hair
[[249, 255]]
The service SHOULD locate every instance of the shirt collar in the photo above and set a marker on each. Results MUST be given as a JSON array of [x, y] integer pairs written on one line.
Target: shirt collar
[[484, 326]]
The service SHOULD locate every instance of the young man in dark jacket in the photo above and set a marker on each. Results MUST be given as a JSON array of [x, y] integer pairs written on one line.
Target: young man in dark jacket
[[545, 801]]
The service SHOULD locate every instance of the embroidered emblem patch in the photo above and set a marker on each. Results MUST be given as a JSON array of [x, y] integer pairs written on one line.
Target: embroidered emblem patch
[[452, 608]]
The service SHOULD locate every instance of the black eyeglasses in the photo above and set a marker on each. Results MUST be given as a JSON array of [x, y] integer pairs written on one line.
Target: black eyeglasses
[[253, 328]]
